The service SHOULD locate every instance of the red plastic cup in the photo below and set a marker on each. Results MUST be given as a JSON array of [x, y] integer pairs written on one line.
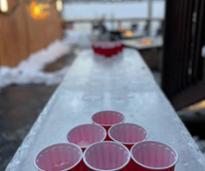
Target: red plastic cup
[[153, 156], [108, 118], [119, 47], [106, 156], [60, 157], [106, 48], [87, 134], [127, 133]]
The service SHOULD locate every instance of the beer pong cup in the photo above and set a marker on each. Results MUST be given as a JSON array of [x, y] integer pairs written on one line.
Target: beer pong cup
[[108, 118], [60, 157], [119, 47], [87, 134], [107, 49], [106, 156], [127, 133], [153, 156]]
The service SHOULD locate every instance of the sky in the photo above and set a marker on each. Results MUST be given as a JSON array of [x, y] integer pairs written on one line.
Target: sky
[[110, 10]]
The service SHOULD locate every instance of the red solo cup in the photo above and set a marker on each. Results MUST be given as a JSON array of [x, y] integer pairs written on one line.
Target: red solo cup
[[106, 156], [118, 46], [60, 157], [108, 118], [121, 47], [127, 133], [153, 156], [87, 134], [106, 49]]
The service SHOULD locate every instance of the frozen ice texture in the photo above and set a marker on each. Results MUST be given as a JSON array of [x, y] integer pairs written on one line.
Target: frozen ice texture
[[122, 83]]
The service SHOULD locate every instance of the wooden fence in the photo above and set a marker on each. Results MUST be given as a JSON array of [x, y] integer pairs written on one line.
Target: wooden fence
[[20, 35]]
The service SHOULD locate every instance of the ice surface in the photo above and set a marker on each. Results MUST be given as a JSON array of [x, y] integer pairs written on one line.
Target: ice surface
[[123, 83]]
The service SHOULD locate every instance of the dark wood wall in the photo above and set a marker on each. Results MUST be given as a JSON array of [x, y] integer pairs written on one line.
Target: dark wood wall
[[183, 64], [20, 34]]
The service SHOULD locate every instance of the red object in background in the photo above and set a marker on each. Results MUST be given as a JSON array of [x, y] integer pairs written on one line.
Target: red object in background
[[60, 157], [127, 133], [107, 155], [152, 156], [108, 118], [107, 49], [87, 134]]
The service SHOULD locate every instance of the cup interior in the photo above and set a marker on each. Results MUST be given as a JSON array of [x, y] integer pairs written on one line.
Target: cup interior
[[108, 118], [85, 135], [58, 157], [154, 155], [127, 133], [106, 156]]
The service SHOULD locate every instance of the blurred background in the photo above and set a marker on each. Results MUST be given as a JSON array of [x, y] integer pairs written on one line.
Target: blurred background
[[40, 39]]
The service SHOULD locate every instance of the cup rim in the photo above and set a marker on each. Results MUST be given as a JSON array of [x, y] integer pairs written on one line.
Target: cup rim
[[71, 167], [107, 142], [123, 142], [108, 125], [155, 168], [91, 124]]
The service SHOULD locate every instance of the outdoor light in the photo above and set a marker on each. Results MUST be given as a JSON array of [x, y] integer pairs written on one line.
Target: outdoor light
[[8, 6], [59, 5], [39, 10], [4, 6]]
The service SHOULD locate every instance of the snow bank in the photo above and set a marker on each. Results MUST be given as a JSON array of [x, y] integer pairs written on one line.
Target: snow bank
[[30, 70]]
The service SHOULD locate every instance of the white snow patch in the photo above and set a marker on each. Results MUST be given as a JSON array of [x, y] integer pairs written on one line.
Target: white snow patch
[[30, 70]]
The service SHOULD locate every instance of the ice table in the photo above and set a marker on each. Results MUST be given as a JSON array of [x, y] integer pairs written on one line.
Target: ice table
[[121, 83]]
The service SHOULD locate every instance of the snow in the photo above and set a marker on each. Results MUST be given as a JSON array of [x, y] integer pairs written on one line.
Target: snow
[[31, 69]]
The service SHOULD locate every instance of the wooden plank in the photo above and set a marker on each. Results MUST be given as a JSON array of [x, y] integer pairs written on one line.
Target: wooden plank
[[13, 38], [188, 36], [170, 74]]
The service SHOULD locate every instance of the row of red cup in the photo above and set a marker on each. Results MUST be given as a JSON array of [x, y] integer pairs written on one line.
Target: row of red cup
[[107, 49], [104, 144]]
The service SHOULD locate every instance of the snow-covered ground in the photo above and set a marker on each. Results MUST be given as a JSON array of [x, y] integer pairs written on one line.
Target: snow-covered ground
[[31, 69]]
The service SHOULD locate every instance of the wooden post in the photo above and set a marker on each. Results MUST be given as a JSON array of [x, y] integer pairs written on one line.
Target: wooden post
[[149, 10]]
